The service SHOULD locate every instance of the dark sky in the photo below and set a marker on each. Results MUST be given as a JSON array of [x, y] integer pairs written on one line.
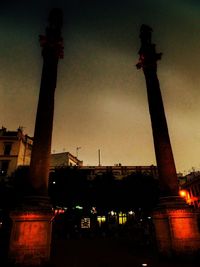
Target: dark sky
[[101, 100]]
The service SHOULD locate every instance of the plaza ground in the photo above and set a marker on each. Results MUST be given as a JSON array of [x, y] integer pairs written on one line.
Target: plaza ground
[[121, 247], [108, 252]]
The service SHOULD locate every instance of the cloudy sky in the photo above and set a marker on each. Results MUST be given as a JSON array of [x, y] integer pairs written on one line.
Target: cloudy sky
[[101, 100]]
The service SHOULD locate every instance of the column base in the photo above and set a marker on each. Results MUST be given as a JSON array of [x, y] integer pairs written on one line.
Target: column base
[[30, 240], [177, 227]]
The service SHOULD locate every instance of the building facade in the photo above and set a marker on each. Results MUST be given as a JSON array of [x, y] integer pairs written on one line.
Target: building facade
[[119, 171], [190, 190], [16, 147], [64, 159], [15, 150]]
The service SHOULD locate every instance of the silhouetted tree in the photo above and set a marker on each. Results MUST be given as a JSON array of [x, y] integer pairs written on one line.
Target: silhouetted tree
[[69, 186], [104, 191], [140, 190]]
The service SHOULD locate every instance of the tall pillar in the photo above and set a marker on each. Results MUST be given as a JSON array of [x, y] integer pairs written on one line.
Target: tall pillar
[[51, 52], [162, 145], [30, 240], [176, 223]]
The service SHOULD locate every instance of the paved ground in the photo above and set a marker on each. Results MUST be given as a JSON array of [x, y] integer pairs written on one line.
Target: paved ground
[[107, 252], [103, 251]]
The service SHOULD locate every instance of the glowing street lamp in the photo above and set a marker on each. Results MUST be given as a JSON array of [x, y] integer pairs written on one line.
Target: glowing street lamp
[[183, 193]]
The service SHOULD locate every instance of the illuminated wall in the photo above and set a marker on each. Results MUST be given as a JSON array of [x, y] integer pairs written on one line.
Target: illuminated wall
[[30, 237], [177, 231]]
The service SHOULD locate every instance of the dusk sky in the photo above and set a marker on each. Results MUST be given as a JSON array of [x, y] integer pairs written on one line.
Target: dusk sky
[[101, 100]]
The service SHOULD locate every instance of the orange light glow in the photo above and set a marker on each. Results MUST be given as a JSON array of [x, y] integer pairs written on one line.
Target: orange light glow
[[182, 224], [186, 195], [183, 193], [32, 234], [30, 230]]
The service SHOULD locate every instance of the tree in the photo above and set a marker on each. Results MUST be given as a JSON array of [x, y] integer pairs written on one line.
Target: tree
[[140, 190]]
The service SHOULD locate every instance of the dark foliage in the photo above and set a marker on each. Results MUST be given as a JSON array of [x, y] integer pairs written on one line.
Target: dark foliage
[[71, 187], [140, 191], [7, 195], [21, 182]]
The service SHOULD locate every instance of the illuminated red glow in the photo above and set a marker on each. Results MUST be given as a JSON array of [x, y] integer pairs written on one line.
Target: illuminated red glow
[[177, 230], [29, 217], [186, 195], [183, 193], [32, 234], [58, 211], [31, 229], [182, 226]]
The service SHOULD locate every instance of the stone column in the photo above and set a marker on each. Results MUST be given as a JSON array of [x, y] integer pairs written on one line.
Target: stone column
[[51, 52], [176, 223], [30, 240]]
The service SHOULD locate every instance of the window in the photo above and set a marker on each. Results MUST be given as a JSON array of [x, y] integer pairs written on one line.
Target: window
[[122, 218], [7, 149], [101, 219], [4, 167]]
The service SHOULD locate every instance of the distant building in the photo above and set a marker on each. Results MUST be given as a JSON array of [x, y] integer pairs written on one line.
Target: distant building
[[16, 147], [15, 150], [64, 159], [191, 189], [119, 171]]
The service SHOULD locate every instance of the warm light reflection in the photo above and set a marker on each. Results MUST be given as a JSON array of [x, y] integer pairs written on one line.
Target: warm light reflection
[[185, 194], [182, 225], [32, 234], [31, 230], [188, 198], [30, 237]]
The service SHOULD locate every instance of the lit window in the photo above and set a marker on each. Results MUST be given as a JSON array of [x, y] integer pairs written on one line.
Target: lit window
[[85, 223], [101, 219], [122, 218]]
